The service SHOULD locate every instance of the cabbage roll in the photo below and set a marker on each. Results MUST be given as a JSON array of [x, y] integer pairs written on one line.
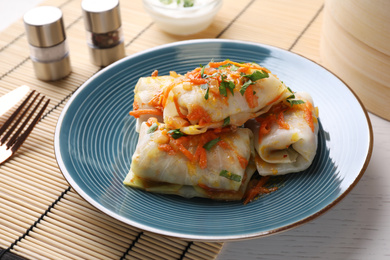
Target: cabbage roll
[[221, 93], [285, 138], [146, 91], [216, 164]]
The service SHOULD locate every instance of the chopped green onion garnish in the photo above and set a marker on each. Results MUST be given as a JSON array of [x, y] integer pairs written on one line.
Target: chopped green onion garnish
[[230, 176], [205, 87], [210, 76], [211, 143], [202, 71], [188, 3], [176, 133], [206, 96], [152, 128], [291, 96], [295, 101], [226, 121], [166, 2]]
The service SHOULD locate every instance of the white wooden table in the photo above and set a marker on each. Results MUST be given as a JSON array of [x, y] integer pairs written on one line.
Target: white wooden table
[[356, 228]]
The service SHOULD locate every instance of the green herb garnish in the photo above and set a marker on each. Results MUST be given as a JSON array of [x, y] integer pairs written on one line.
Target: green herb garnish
[[166, 2], [152, 128], [295, 101], [211, 143], [188, 3], [245, 86], [257, 75], [210, 76], [176, 133], [206, 96], [230, 176], [226, 85], [226, 121], [202, 71], [205, 87], [290, 99]]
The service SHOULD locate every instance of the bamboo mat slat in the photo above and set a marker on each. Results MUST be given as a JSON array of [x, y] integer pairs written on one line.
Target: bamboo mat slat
[[41, 216]]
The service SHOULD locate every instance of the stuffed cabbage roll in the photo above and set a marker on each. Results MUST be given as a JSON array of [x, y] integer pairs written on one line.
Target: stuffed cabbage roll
[[216, 164], [212, 96], [286, 137], [146, 91], [221, 93]]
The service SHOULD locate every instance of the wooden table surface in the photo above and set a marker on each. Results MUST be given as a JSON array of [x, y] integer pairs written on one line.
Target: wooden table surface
[[356, 228]]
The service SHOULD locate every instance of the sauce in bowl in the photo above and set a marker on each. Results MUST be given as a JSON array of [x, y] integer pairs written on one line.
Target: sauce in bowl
[[182, 17]]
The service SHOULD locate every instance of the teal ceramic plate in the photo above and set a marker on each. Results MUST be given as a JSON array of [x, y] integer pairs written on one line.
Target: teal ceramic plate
[[95, 140]]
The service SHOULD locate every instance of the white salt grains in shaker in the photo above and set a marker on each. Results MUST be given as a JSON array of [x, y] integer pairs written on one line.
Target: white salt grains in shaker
[[47, 41], [103, 24]]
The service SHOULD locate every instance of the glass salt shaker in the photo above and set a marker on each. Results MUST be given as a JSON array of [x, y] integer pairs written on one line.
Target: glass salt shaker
[[46, 36], [104, 31]]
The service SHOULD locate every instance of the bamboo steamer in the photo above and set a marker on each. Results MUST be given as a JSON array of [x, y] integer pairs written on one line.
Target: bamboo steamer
[[355, 44]]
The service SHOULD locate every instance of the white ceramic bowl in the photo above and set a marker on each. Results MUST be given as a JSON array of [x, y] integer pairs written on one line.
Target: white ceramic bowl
[[183, 20]]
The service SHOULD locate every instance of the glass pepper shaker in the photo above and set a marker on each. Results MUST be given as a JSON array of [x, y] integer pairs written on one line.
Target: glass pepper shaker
[[46, 36], [104, 31]]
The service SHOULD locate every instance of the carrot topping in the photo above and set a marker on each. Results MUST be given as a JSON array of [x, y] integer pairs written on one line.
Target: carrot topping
[[167, 148], [243, 161], [281, 122], [243, 69], [138, 113], [251, 97], [258, 189], [167, 90], [199, 114], [195, 77], [309, 115], [178, 107], [248, 65], [187, 153], [199, 81], [155, 73], [151, 121], [156, 100], [202, 158], [275, 115], [265, 126], [224, 145]]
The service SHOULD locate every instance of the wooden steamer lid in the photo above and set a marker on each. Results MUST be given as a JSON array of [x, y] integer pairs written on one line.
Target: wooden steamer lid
[[355, 45]]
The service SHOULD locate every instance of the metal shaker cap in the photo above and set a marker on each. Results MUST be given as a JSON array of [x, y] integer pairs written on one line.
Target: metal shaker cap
[[101, 16], [44, 26]]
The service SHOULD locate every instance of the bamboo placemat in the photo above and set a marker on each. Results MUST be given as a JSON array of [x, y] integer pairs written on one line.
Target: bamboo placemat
[[41, 216]]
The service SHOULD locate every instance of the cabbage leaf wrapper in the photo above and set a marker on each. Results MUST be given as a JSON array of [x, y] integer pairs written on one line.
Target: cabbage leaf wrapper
[[146, 89], [208, 97], [216, 164], [286, 138], [211, 97]]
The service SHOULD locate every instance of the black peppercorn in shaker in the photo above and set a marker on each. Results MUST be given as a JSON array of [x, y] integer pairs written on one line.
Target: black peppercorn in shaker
[[104, 31]]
